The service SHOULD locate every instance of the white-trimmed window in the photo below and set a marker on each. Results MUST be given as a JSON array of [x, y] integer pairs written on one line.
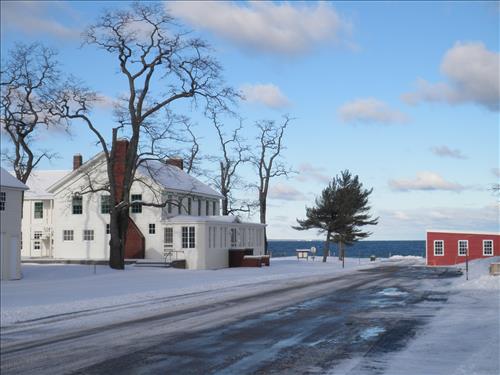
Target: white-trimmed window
[[487, 247], [3, 199], [88, 235], [37, 245], [207, 206], [38, 211], [188, 238], [234, 237], [214, 204], [199, 207], [105, 204], [136, 208], [439, 247], [152, 228], [108, 228], [463, 247], [37, 235], [68, 235], [168, 237], [77, 205]]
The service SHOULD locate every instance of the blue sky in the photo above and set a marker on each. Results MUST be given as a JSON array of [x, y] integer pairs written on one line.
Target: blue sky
[[406, 95]]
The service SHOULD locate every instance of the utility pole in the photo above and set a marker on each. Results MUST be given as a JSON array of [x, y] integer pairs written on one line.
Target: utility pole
[[467, 263]]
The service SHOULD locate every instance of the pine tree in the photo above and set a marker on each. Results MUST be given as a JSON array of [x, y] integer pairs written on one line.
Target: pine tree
[[340, 212]]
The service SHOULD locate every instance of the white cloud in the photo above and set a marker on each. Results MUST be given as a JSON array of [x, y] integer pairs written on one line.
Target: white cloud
[[285, 192], [264, 93], [308, 172], [425, 181], [283, 28], [472, 72], [370, 110], [38, 17], [445, 151]]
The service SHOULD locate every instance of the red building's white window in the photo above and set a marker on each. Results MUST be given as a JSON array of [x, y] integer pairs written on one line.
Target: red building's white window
[[487, 247], [463, 246], [439, 247]]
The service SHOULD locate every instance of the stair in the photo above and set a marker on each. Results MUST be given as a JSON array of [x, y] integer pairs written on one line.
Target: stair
[[153, 263]]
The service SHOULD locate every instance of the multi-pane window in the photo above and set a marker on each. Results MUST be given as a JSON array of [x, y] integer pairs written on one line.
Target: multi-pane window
[[487, 247], [189, 206], [136, 208], [438, 247], [105, 204], [68, 235], [38, 213], [188, 235], [169, 204], [207, 206], [152, 228], [77, 205], [3, 199], [108, 228], [199, 207], [234, 237], [37, 235], [88, 235], [463, 247], [214, 204], [168, 237], [37, 245]]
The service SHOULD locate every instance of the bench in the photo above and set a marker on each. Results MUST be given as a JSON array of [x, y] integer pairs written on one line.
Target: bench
[[302, 254], [252, 261]]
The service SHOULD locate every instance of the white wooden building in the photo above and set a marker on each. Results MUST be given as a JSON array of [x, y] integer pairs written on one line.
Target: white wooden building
[[60, 223], [11, 197]]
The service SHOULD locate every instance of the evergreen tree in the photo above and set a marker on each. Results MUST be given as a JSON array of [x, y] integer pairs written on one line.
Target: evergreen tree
[[340, 212]]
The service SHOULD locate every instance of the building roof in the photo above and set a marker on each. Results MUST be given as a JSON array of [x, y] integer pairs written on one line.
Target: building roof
[[7, 180], [462, 232], [40, 181], [207, 219], [175, 179]]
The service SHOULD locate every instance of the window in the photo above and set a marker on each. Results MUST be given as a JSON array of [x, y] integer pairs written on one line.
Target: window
[[463, 246], [38, 210], [105, 204], [214, 203], [37, 235], [207, 206], [152, 228], [37, 245], [108, 228], [68, 235], [234, 237], [168, 237], [88, 235], [438, 247], [169, 204], [487, 247], [199, 207], [3, 198], [188, 238], [189, 206], [136, 208], [77, 205]]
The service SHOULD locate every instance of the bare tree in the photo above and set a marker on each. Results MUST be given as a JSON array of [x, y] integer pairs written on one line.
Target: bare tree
[[160, 66], [266, 160], [28, 78], [233, 155]]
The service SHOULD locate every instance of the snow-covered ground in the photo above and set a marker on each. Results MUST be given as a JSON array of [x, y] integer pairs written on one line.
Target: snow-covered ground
[[47, 289]]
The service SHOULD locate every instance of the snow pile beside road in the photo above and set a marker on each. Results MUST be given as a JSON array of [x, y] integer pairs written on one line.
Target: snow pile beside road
[[479, 277], [406, 257]]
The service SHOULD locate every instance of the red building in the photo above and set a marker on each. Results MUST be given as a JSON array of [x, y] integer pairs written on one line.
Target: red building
[[446, 247]]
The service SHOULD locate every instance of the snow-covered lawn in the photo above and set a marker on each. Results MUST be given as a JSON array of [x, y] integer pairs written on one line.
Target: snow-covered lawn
[[56, 289]]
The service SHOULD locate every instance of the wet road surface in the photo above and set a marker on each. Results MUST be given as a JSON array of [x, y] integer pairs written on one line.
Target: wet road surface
[[364, 314]]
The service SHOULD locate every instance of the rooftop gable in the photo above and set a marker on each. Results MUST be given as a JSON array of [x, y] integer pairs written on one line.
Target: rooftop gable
[[7, 180]]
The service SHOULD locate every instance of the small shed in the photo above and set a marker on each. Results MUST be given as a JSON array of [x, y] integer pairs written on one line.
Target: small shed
[[11, 203]]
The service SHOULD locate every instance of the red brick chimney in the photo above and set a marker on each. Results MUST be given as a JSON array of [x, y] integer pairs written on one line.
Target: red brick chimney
[[178, 162], [77, 161], [119, 154]]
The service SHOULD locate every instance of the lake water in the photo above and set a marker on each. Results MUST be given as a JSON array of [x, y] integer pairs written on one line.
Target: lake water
[[381, 249]]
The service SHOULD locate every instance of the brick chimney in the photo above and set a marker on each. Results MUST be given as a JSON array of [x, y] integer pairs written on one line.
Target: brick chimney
[[77, 161], [119, 154], [178, 162]]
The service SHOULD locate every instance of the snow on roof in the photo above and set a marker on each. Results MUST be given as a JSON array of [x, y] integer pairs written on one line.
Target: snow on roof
[[207, 219], [7, 180], [40, 181], [175, 179]]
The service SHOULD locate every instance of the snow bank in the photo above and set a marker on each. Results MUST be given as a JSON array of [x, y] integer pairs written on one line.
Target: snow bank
[[479, 277]]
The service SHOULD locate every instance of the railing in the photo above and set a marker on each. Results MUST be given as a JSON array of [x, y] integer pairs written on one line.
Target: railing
[[169, 253]]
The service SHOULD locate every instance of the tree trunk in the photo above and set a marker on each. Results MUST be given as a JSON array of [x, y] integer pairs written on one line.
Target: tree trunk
[[263, 221], [225, 205], [118, 232], [342, 250], [326, 249]]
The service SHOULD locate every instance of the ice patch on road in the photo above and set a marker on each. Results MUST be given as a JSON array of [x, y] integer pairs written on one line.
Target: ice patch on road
[[392, 292], [371, 332]]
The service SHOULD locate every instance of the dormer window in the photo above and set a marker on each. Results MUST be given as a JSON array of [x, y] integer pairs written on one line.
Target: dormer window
[[136, 208]]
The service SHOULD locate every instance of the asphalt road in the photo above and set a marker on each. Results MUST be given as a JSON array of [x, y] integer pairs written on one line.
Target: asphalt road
[[307, 326]]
